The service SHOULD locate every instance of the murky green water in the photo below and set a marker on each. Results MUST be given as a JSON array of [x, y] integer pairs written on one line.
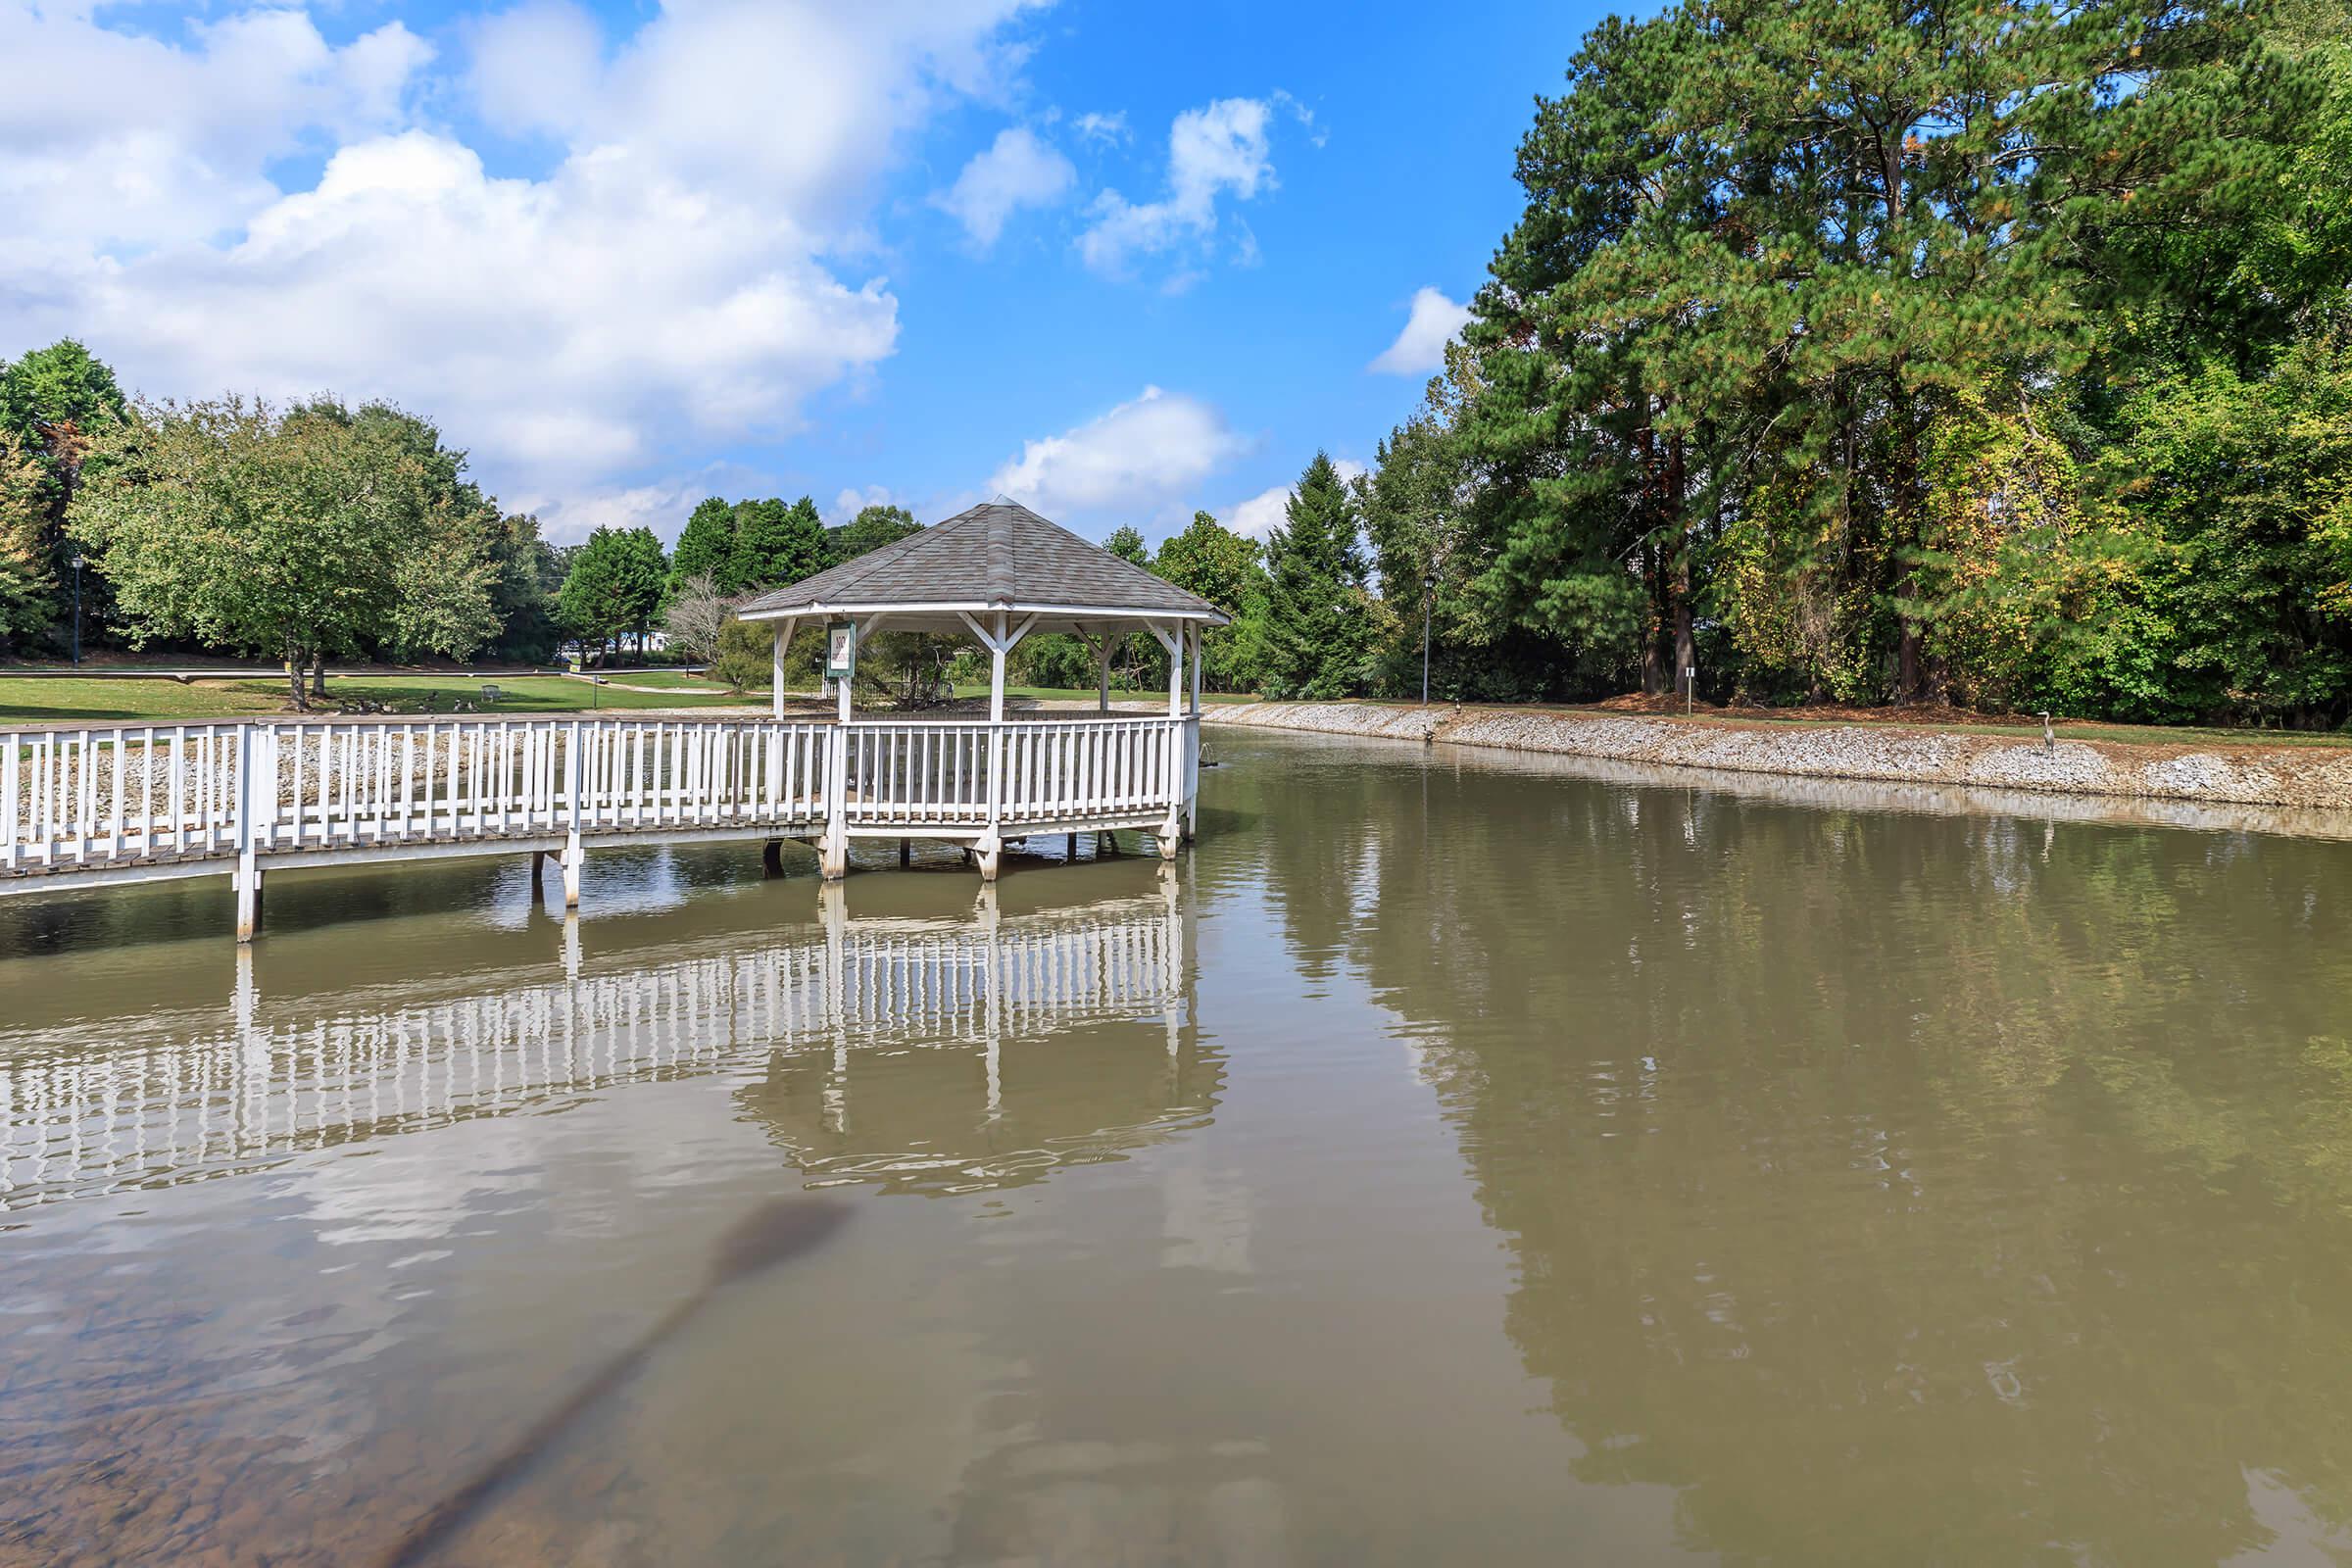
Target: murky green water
[[1452, 1160]]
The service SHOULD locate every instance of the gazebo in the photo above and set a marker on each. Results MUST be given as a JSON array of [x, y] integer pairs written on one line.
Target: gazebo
[[998, 572]]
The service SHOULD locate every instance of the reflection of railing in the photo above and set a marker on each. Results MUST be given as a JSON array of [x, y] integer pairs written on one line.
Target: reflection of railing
[[85, 1112]]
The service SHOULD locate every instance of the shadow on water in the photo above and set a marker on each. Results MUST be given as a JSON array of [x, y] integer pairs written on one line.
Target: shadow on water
[[1877, 1179], [773, 1233]]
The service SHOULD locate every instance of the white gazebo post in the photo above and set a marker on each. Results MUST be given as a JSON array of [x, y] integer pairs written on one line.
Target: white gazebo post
[[1170, 829], [784, 630], [998, 641], [833, 855], [843, 683], [992, 842]]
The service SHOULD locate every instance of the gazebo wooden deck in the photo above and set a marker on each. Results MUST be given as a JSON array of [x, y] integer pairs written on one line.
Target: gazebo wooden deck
[[94, 805], [998, 572]]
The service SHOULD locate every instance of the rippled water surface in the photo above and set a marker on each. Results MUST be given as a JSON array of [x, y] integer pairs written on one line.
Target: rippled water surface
[[1447, 1161]]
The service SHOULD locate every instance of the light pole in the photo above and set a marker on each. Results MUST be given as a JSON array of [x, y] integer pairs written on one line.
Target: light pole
[[1428, 598], [78, 610]]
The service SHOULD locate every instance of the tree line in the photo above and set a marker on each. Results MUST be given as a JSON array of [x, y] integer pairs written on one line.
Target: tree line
[[316, 532]]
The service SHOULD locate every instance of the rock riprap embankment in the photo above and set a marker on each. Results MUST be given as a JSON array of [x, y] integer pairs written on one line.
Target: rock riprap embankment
[[2310, 777]]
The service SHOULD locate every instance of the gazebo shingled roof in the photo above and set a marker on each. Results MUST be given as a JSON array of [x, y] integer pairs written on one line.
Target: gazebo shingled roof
[[996, 555]]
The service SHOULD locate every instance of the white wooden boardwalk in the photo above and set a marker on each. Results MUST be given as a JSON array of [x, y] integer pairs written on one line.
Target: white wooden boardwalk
[[81, 1115], [89, 806]]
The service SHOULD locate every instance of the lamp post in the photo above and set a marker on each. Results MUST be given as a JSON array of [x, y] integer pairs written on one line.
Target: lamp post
[[77, 610], [1428, 598]]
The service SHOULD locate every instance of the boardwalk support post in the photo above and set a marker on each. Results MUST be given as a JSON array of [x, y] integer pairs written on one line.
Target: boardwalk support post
[[249, 799], [572, 788], [833, 852], [1190, 742], [1171, 829]]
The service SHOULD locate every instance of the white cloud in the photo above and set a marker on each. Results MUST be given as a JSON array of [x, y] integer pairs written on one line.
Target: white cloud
[[569, 518], [538, 68], [674, 272], [174, 149], [1260, 515], [1264, 511], [561, 327], [1420, 349], [849, 502], [1100, 128], [1218, 149], [1139, 459], [1016, 171]]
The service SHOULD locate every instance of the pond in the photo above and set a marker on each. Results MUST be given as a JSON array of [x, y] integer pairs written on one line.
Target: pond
[[1451, 1158]]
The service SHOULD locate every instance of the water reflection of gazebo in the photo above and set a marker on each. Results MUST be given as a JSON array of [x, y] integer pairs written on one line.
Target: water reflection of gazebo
[[1000, 573], [965, 1044], [950, 1057]]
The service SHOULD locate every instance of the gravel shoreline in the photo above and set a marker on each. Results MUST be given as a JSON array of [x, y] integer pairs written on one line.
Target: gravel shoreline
[[2303, 778]]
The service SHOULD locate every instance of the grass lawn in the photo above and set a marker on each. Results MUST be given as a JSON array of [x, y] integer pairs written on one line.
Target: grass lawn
[[669, 680], [1065, 694], [42, 700]]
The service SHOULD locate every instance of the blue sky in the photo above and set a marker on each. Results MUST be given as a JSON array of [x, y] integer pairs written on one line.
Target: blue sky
[[1120, 262]]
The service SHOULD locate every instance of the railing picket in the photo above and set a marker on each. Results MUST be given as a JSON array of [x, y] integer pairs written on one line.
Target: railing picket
[[12, 768]]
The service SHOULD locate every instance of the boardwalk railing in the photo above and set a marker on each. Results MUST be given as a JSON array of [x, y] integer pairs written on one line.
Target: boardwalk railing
[[130, 803]]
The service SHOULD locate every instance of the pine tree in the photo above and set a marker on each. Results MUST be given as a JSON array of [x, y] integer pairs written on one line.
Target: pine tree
[[775, 544], [1317, 633], [706, 545], [615, 585]]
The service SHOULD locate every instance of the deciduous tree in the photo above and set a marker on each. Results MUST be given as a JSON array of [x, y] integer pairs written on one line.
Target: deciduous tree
[[309, 533], [26, 580], [54, 401], [1210, 560], [693, 616], [871, 529]]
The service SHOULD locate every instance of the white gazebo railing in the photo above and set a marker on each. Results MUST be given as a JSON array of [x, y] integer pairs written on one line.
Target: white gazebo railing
[[1020, 773], [137, 803]]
